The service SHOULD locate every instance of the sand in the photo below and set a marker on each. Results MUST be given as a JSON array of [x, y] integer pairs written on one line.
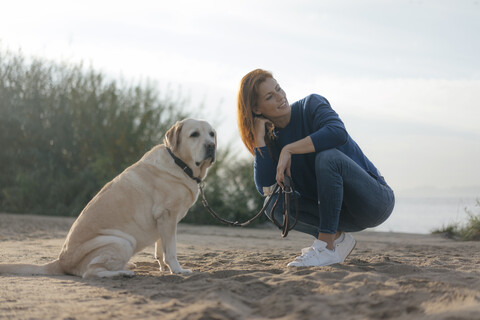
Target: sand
[[242, 274]]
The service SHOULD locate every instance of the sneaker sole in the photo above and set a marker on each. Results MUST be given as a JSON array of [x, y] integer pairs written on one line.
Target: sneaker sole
[[354, 245]]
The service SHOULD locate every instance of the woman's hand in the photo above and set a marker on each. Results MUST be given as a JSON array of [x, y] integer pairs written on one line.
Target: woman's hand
[[284, 162], [259, 127], [302, 146]]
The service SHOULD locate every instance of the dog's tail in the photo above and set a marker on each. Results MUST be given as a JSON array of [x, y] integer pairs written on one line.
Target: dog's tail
[[51, 268]]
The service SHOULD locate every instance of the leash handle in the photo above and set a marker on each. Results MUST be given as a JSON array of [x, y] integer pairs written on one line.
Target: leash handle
[[288, 190], [287, 184]]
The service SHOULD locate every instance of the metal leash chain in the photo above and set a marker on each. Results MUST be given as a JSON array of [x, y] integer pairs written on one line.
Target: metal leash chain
[[284, 192]]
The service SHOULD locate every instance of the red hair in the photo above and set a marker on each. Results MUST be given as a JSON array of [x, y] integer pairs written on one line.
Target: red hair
[[246, 100]]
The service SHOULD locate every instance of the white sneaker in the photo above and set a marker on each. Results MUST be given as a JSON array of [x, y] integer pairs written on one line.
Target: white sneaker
[[316, 256], [344, 245]]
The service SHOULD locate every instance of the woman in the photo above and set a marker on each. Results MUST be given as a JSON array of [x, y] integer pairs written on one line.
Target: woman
[[340, 190]]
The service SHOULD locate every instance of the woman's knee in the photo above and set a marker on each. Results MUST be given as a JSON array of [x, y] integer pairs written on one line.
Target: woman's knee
[[327, 158]]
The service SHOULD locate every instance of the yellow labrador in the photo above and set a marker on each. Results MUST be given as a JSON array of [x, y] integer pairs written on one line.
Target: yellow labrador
[[139, 207]]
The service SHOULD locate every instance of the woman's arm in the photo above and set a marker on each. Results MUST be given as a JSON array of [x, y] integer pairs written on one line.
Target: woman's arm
[[327, 131], [301, 146], [264, 166], [260, 131]]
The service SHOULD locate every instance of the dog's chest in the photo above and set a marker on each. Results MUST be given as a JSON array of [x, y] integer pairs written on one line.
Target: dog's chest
[[173, 208]]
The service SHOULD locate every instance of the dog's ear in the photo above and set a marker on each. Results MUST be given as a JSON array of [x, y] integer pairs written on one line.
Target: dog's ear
[[172, 136]]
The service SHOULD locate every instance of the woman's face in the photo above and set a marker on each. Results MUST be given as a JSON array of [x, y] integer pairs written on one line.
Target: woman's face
[[272, 101]]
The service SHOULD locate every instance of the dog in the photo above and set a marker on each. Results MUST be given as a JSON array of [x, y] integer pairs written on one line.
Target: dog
[[139, 207]]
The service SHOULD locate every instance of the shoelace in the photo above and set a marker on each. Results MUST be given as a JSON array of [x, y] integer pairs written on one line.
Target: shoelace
[[306, 253]]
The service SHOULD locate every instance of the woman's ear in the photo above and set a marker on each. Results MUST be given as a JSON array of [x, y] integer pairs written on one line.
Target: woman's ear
[[255, 111]]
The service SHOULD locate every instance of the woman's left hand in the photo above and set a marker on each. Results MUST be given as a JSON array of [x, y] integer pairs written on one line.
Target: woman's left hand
[[284, 162]]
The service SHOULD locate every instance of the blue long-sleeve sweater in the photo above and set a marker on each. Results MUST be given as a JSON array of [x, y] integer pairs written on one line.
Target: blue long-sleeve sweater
[[314, 117]]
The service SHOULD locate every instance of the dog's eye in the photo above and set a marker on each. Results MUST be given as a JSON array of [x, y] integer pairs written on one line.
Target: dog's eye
[[212, 134], [194, 134]]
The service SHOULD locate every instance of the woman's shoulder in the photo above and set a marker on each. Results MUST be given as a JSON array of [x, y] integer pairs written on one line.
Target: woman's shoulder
[[312, 99], [315, 98], [311, 103]]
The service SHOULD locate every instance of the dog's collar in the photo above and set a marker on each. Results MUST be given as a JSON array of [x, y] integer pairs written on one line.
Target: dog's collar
[[183, 166]]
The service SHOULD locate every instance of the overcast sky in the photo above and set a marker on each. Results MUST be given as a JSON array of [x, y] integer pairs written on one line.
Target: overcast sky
[[403, 75]]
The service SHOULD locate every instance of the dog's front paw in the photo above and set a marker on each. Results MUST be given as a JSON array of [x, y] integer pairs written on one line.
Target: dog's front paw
[[181, 271], [162, 265]]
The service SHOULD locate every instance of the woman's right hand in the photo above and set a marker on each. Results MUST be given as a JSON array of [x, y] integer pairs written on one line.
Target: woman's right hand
[[259, 123]]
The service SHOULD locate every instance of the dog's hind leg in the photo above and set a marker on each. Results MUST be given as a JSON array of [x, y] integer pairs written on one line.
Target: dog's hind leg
[[130, 265], [110, 259], [101, 272]]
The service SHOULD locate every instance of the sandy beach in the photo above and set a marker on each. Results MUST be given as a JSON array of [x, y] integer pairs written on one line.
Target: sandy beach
[[242, 274]]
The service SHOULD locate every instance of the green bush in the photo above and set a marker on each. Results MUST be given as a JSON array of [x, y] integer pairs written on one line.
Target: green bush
[[468, 231], [66, 130]]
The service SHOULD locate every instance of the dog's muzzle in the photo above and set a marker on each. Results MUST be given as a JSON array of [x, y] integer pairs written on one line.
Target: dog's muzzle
[[210, 150]]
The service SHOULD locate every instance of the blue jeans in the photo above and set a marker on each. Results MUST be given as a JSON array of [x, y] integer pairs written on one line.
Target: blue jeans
[[349, 199]]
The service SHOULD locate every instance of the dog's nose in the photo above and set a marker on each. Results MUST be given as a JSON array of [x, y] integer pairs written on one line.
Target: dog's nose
[[210, 150]]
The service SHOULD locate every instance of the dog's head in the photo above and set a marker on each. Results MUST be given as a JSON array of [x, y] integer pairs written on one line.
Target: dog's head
[[194, 142]]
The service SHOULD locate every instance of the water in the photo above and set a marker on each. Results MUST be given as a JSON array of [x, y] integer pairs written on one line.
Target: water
[[422, 215]]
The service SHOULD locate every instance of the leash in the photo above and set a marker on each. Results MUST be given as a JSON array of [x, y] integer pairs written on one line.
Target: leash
[[286, 192]]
